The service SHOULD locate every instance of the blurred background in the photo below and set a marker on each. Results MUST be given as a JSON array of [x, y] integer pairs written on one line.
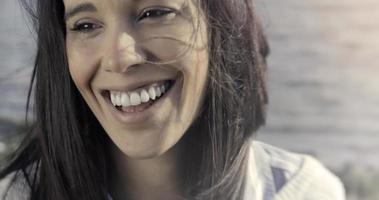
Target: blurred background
[[323, 83]]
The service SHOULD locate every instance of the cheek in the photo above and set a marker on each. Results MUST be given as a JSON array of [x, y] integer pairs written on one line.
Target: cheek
[[200, 78], [195, 80], [196, 69], [82, 65]]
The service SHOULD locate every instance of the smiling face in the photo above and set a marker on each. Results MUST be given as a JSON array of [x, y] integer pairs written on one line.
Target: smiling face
[[141, 66]]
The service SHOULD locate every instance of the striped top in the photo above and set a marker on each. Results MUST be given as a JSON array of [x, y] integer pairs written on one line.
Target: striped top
[[272, 174], [276, 174]]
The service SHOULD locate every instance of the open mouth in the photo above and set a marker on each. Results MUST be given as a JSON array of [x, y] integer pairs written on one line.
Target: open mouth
[[141, 98]]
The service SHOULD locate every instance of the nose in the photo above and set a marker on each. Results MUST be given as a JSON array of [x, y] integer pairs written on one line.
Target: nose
[[123, 54]]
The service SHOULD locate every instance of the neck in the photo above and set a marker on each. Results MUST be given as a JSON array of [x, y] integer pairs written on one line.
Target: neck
[[148, 179]]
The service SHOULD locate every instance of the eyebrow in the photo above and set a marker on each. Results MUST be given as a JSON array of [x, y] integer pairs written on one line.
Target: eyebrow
[[83, 7]]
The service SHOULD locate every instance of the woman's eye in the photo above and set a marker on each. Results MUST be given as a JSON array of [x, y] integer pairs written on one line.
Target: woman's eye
[[85, 27], [155, 13]]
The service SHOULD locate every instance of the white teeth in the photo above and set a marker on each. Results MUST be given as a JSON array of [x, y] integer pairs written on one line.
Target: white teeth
[[152, 93], [138, 96], [113, 98], [163, 89], [118, 99], [158, 91], [135, 99], [144, 96], [125, 100]]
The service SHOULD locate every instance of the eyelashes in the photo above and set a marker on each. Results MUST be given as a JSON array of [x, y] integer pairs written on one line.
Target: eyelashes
[[85, 27], [149, 15], [154, 13]]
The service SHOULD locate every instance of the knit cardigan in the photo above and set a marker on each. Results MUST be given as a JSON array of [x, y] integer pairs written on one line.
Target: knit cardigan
[[272, 174], [276, 174]]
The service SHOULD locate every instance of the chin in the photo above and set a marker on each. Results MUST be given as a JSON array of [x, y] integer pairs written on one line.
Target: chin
[[151, 153]]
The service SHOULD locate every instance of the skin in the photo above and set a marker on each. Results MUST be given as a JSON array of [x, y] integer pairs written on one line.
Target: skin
[[117, 49]]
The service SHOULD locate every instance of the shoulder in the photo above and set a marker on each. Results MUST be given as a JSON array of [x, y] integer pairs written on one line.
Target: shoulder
[[288, 175], [4, 183], [17, 190]]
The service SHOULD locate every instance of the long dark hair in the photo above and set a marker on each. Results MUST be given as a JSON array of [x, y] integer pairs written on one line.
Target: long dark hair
[[64, 156]]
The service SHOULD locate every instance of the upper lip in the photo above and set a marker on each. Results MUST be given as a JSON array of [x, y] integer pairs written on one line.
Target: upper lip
[[135, 85]]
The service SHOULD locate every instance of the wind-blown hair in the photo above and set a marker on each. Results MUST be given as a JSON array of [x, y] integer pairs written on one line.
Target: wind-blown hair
[[65, 154]]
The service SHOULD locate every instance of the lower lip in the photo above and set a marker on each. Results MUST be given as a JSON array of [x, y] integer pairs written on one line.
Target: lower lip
[[142, 116]]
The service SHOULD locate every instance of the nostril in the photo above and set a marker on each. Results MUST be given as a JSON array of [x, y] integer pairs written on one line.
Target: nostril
[[122, 67], [129, 68]]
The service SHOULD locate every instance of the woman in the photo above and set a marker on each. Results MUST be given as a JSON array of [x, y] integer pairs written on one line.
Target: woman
[[154, 99]]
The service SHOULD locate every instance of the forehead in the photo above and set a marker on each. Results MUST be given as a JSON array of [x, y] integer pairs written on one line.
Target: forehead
[[121, 2], [73, 7]]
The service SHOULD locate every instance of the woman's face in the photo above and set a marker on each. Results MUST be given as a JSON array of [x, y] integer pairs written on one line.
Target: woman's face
[[141, 66]]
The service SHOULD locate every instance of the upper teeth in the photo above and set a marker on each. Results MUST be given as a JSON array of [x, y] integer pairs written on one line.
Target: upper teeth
[[135, 98]]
